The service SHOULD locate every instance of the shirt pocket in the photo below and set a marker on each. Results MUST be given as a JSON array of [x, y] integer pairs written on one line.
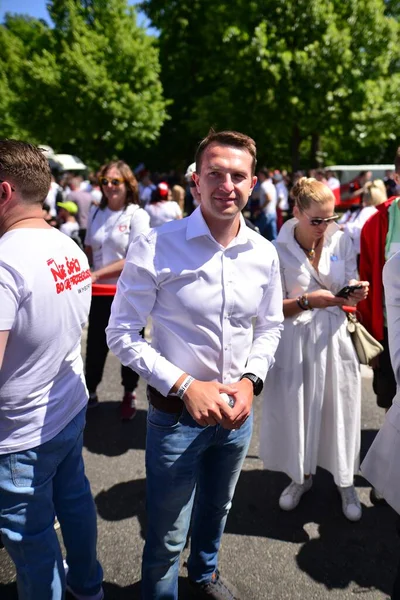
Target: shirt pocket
[[337, 273]]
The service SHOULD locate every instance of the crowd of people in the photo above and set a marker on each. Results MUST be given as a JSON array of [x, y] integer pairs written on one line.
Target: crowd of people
[[234, 316]]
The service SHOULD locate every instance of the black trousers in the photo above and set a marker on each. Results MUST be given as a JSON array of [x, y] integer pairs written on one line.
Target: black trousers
[[396, 586], [384, 383], [97, 349]]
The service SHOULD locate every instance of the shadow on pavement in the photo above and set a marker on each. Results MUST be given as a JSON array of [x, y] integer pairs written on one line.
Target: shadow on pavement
[[8, 591], [333, 551], [106, 434], [123, 501], [111, 591], [132, 592]]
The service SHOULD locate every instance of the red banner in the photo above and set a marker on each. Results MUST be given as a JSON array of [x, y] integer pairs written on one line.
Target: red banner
[[103, 289]]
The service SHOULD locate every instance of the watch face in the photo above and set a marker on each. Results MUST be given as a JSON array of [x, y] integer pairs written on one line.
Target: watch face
[[258, 386]]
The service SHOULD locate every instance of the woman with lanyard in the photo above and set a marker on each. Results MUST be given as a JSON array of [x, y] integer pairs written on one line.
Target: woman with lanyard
[[311, 413], [111, 227]]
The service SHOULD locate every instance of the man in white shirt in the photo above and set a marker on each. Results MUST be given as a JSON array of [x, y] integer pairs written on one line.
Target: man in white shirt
[[268, 200], [54, 195], [212, 287], [45, 293]]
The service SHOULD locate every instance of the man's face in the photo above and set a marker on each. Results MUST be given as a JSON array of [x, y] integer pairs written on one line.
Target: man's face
[[366, 177], [225, 181]]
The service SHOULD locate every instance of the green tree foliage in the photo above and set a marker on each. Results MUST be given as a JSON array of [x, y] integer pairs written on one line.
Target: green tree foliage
[[89, 85], [296, 75], [18, 37]]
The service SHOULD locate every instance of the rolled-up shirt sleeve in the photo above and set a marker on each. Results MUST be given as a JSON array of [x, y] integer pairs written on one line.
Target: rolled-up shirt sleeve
[[133, 303], [268, 325]]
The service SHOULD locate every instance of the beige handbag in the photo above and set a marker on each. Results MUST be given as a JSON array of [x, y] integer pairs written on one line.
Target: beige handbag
[[366, 346]]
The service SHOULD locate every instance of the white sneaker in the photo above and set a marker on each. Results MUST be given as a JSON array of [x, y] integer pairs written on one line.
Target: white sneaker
[[350, 503], [291, 495]]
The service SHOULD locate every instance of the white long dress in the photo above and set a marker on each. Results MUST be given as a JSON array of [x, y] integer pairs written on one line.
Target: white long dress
[[381, 466], [312, 394]]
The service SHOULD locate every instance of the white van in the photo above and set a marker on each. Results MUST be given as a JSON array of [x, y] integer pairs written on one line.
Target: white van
[[63, 162], [349, 173]]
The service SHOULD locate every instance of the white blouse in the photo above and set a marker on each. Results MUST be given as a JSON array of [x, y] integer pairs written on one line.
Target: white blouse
[[163, 212], [109, 233]]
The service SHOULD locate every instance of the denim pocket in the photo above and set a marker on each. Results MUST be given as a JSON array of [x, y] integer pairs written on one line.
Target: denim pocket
[[30, 469], [162, 420]]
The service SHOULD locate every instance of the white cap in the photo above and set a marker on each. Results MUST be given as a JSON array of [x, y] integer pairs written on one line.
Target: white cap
[[189, 172]]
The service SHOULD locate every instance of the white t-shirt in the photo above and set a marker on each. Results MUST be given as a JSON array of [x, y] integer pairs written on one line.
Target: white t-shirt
[[355, 222], [52, 196], [283, 195], [162, 212], [109, 233], [69, 227], [333, 183], [267, 188], [45, 294]]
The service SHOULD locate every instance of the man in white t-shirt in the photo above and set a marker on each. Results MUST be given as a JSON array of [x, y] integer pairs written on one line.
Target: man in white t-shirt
[[45, 293], [54, 195], [266, 222]]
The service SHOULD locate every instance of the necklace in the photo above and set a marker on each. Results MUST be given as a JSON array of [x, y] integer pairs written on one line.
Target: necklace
[[310, 252]]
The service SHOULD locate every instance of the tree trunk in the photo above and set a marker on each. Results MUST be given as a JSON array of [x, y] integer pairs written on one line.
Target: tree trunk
[[295, 144], [315, 160]]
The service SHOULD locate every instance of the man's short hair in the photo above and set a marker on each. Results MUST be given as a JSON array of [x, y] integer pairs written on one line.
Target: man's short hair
[[397, 161], [227, 138], [264, 171], [26, 168]]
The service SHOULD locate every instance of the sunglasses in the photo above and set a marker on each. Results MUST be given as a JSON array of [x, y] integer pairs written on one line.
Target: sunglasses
[[4, 181], [114, 181], [316, 221]]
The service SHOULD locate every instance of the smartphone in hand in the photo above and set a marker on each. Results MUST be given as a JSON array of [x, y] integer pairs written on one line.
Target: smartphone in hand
[[347, 290]]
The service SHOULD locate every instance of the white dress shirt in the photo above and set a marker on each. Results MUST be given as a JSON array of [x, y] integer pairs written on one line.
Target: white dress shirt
[[354, 222], [204, 300]]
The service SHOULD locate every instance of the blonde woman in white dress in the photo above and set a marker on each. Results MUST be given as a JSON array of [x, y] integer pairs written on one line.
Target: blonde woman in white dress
[[311, 411]]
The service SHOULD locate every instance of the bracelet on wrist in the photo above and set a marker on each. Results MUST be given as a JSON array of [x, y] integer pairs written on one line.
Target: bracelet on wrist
[[299, 304], [303, 302], [184, 386]]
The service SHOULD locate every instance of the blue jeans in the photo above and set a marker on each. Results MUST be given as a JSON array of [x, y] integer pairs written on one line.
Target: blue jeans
[[267, 226], [36, 485], [188, 467]]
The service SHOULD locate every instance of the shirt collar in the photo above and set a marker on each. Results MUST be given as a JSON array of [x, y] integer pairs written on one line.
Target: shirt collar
[[197, 227]]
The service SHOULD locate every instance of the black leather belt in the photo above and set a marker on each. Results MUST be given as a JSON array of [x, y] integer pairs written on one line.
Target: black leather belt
[[168, 404]]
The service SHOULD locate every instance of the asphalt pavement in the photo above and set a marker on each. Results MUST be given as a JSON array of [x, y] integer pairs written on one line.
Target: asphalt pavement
[[312, 553]]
